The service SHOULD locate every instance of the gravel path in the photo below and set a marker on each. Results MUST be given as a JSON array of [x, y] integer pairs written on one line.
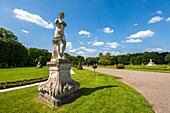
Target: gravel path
[[20, 87], [155, 87]]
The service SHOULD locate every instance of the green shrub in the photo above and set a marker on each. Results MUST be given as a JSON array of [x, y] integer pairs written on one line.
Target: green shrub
[[120, 66]]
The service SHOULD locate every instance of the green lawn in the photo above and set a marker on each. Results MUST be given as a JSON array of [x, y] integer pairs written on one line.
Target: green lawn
[[99, 94], [14, 74], [158, 68]]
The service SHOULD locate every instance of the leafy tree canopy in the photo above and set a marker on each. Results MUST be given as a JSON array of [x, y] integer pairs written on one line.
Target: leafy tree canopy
[[6, 34]]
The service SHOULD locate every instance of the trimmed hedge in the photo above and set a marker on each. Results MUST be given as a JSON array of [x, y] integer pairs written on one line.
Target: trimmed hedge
[[4, 85], [120, 66], [94, 66]]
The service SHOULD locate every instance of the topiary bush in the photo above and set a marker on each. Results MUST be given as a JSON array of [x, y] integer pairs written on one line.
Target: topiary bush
[[120, 66], [79, 67], [75, 65], [94, 67]]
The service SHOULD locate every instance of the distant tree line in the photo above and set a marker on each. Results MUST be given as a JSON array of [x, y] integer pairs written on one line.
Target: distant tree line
[[133, 59], [15, 54]]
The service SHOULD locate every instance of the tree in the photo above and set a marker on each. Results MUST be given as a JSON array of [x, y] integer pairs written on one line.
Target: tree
[[35, 53], [12, 53], [74, 61], [113, 60], [91, 60], [167, 58], [136, 60], [154, 56], [123, 59], [8, 35], [105, 59]]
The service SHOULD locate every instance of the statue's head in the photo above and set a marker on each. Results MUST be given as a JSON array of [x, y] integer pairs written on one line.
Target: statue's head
[[61, 15]]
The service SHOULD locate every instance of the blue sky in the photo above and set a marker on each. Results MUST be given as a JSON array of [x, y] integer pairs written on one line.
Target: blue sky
[[93, 26]]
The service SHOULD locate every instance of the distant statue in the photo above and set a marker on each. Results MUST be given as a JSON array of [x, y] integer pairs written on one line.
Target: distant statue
[[151, 63], [39, 65], [59, 36]]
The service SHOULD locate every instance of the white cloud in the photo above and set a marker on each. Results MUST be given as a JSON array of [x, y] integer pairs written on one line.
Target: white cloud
[[82, 42], [98, 43], [112, 45], [25, 31], [85, 33], [84, 49], [72, 50], [81, 53], [132, 41], [89, 42], [135, 24], [81, 48], [142, 34], [105, 52], [88, 50], [156, 49], [34, 18], [69, 45], [115, 53], [155, 19], [168, 19], [159, 12], [108, 30]]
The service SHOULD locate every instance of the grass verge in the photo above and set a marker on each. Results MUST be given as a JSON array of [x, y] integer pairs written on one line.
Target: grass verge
[[158, 68], [99, 94], [15, 74]]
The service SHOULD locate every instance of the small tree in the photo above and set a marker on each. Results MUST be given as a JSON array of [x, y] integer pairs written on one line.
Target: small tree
[[105, 59], [94, 67]]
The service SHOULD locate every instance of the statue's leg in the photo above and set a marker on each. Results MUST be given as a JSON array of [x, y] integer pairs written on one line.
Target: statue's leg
[[63, 39], [58, 49], [54, 52]]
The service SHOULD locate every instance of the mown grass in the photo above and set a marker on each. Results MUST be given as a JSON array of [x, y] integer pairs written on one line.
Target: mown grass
[[99, 94], [14, 74], [158, 68]]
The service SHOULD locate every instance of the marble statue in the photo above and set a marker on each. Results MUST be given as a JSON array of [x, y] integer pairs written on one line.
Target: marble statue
[[39, 65], [59, 36], [60, 87], [151, 63]]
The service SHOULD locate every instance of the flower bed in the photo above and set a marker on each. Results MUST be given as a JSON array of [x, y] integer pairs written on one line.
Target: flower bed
[[4, 85]]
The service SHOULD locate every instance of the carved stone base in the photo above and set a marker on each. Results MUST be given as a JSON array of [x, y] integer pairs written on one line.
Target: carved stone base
[[60, 87], [59, 101]]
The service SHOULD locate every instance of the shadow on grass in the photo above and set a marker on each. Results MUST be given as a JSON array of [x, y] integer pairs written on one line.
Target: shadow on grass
[[88, 91], [115, 77]]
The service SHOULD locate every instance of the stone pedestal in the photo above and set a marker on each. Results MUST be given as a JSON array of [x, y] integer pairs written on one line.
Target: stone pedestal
[[59, 88]]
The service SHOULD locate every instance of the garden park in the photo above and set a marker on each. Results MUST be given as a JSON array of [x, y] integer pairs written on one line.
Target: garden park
[[98, 92]]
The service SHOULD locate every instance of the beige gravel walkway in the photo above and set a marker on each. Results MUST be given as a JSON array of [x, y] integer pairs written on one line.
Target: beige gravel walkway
[[20, 87], [155, 87]]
